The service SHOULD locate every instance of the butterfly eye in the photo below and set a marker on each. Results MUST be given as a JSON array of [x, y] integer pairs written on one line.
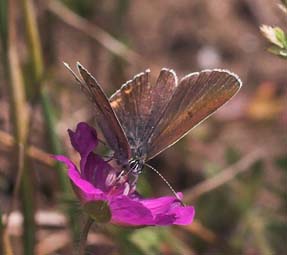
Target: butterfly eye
[[136, 166], [133, 163]]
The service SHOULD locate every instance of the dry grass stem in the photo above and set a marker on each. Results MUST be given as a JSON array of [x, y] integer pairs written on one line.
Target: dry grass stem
[[101, 36], [196, 228], [53, 242], [32, 151], [223, 177]]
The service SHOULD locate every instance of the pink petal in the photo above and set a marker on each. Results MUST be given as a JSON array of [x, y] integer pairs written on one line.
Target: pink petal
[[96, 171], [128, 212], [84, 141], [84, 188], [183, 215], [159, 205], [168, 210]]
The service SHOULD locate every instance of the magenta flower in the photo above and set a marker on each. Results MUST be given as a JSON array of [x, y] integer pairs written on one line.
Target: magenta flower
[[98, 181]]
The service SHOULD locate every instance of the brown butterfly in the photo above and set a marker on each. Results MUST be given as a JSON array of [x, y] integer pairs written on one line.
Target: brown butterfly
[[140, 120]]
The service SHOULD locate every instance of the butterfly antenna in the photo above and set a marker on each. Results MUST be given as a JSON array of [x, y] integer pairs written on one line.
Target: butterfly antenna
[[166, 182]]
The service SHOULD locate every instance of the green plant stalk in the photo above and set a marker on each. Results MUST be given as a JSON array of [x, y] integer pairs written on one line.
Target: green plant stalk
[[84, 236], [49, 114], [5, 246], [33, 39], [50, 119], [19, 114], [28, 208], [38, 67], [17, 90], [4, 25]]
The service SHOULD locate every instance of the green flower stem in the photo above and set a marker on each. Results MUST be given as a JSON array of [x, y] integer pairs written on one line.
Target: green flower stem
[[84, 236]]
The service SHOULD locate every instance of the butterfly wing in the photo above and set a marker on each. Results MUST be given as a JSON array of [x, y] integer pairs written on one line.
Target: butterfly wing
[[196, 97], [105, 115], [139, 105]]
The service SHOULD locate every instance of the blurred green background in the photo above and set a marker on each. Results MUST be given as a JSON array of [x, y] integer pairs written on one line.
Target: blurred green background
[[232, 167]]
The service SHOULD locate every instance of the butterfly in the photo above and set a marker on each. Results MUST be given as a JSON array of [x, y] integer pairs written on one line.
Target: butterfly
[[141, 119]]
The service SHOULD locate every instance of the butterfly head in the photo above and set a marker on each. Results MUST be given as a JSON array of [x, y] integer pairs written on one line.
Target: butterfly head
[[136, 165]]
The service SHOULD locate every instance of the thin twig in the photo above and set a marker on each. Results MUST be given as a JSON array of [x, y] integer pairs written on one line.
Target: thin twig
[[53, 242], [7, 244], [196, 228], [105, 39], [59, 239], [32, 151], [223, 177], [92, 30]]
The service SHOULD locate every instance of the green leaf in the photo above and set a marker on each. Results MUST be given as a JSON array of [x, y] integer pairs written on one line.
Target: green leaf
[[277, 51], [281, 36]]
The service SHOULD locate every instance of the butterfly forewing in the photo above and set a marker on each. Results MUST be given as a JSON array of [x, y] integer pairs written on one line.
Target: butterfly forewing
[[139, 105], [196, 97], [106, 117]]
